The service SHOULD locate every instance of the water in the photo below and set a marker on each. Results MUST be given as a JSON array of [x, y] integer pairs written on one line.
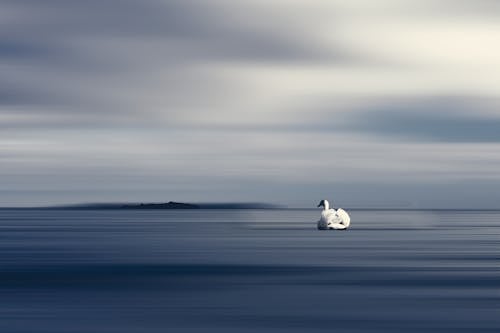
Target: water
[[248, 271]]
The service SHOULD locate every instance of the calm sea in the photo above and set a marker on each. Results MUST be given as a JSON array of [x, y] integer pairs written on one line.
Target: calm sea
[[248, 271]]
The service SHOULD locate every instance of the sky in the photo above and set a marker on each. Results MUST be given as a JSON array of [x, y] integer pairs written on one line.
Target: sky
[[366, 103]]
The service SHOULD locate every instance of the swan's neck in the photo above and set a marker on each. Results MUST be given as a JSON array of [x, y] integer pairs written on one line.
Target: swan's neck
[[326, 205]]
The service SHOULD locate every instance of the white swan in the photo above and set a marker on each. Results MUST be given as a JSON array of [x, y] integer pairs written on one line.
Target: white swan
[[331, 218]]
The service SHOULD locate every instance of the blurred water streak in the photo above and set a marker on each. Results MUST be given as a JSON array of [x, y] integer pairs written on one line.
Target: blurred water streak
[[247, 271]]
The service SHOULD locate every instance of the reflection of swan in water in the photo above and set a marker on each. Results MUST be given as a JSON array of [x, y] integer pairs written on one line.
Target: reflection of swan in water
[[331, 218]]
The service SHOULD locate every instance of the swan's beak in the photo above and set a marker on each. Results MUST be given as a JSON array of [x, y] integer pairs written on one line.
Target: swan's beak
[[320, 204]]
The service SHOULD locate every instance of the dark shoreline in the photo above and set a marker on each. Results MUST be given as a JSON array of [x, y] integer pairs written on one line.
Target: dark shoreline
[[232, 206], [171, 205]]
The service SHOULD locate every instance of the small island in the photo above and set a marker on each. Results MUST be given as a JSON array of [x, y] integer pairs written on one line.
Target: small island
[[167, 205]]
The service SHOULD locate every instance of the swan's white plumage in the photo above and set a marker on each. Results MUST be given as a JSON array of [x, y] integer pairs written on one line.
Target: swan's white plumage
[[330, 219], [346, 219], [333, 219]]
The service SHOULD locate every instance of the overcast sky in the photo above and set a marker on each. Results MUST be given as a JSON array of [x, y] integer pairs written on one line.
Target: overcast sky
[[366, 103]]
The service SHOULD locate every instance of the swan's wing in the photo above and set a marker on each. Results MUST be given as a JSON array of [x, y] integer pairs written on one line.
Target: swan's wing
[[329, 215], [342, 214], [331, 218]]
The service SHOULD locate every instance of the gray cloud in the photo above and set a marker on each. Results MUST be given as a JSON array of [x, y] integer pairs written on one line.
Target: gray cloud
[[130, 100], [15, 50], [94, 59], [445, 119], [213, 29]]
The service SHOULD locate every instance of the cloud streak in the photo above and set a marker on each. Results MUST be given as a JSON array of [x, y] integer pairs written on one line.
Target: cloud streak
[[186, 98], [444, 119]]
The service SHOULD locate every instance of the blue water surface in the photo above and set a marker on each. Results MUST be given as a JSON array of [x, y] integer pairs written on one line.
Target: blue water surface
[[248, 271]]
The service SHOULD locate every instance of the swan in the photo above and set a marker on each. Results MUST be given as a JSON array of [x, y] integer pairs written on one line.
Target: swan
[[331, 218]]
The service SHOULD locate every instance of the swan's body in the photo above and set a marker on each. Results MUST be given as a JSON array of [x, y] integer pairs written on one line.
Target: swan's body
[[333, 219]]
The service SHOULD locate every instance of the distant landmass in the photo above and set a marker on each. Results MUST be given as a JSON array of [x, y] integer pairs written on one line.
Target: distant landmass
[[182, 205], [167, 205], [170, 205]]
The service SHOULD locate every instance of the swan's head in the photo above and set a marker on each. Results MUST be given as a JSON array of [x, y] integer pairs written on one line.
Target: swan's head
[[324, 203]]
